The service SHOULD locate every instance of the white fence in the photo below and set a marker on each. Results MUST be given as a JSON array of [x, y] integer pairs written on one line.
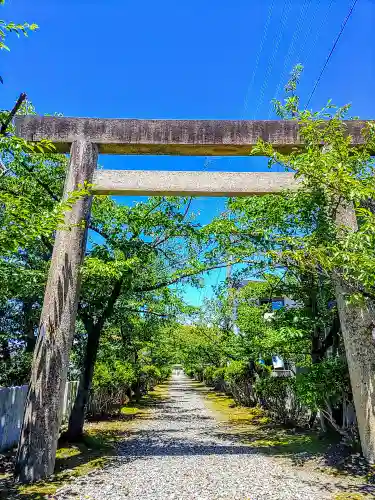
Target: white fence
[[12, 402]]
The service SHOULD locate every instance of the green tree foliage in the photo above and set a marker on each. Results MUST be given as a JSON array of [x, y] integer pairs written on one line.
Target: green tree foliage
[[113, 375], [143, 250], [31, 185], [333, 175], [7, 28], [291, 246], [132, 322], [325, 386]]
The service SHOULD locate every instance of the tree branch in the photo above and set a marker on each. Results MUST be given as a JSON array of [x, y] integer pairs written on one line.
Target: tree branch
[[171, 235], [179, 278], [148, 312], [136, 234], [112, 299], [12, 113], [100, 232], [41, 183]]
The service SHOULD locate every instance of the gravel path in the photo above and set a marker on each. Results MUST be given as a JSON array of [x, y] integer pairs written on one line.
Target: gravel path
[[175, 454]]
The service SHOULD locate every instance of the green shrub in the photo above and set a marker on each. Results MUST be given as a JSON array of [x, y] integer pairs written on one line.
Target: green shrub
[[263, 370], [218, 378], [236, 372], [326, 387], [165, 372], [278, 396], [16, 370], [208, 375], [198, 373], [189, 372], [328, 380], [113, 376], [239, 379], [195, 371], [150, 375], [110, 386]]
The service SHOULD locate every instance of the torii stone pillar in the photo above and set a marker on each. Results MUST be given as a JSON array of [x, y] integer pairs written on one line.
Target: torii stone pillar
[[43, 410], [85, 137], [358, 327]]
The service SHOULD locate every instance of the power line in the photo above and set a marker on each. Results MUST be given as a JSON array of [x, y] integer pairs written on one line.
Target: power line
[[317, 34], [284, 19], [257, 60], [249, 89], [291, 50], [307, 32], [255, 69], [332, 51]]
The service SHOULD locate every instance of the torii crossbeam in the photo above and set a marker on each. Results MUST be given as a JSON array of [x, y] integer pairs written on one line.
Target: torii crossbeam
[[85, 138], [170, 137], [176, 137]]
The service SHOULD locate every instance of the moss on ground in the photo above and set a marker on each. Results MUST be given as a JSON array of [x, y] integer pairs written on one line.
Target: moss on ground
[[93, 452], [252, 427], [350, 496]]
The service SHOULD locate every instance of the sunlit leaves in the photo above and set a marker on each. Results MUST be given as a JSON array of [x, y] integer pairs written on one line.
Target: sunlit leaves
[[326, 381], [7, 28], [332, 174], [11, 28]]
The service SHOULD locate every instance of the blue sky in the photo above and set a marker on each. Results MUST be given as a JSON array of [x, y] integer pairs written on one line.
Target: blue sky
[[187, 59]]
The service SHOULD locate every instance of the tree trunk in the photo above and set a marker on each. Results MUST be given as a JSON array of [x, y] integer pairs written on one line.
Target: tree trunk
[[77, 417], [137, 391], [94, 330], [316, 334], [357, 325], [5, 352], [43, 409], [316, 339]]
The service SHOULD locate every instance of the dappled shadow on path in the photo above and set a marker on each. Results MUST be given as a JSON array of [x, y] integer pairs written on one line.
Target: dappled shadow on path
[[305, 455], [144, 445], [97, 450]]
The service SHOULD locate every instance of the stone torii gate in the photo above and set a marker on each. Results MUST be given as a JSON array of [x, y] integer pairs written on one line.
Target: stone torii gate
[[84, 139]]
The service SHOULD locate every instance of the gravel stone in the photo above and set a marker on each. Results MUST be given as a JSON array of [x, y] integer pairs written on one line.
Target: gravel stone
[[175, 454]]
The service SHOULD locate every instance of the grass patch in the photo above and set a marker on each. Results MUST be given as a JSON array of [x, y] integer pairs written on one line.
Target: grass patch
[[253, 427], [93, 452], [350, 496], [140, 408]]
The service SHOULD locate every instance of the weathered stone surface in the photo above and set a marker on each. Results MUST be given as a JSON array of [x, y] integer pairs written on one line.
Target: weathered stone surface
[[357, 325], [168, 137], [168, 183], [44, 404]]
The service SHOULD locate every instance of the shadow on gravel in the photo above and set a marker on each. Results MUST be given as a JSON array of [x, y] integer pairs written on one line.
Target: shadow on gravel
[[144, 447], [96, 450], [180, 418], [302, 447], [154, 447]]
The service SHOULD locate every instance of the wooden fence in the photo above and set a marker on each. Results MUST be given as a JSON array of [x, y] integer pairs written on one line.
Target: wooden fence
[[12, 402]]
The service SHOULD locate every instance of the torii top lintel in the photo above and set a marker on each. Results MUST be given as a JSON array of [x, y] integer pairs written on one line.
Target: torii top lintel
[[169, 137]]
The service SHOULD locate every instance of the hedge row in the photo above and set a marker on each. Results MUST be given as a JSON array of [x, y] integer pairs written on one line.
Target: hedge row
[[253, 385], [323, 388], [114, 384]]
